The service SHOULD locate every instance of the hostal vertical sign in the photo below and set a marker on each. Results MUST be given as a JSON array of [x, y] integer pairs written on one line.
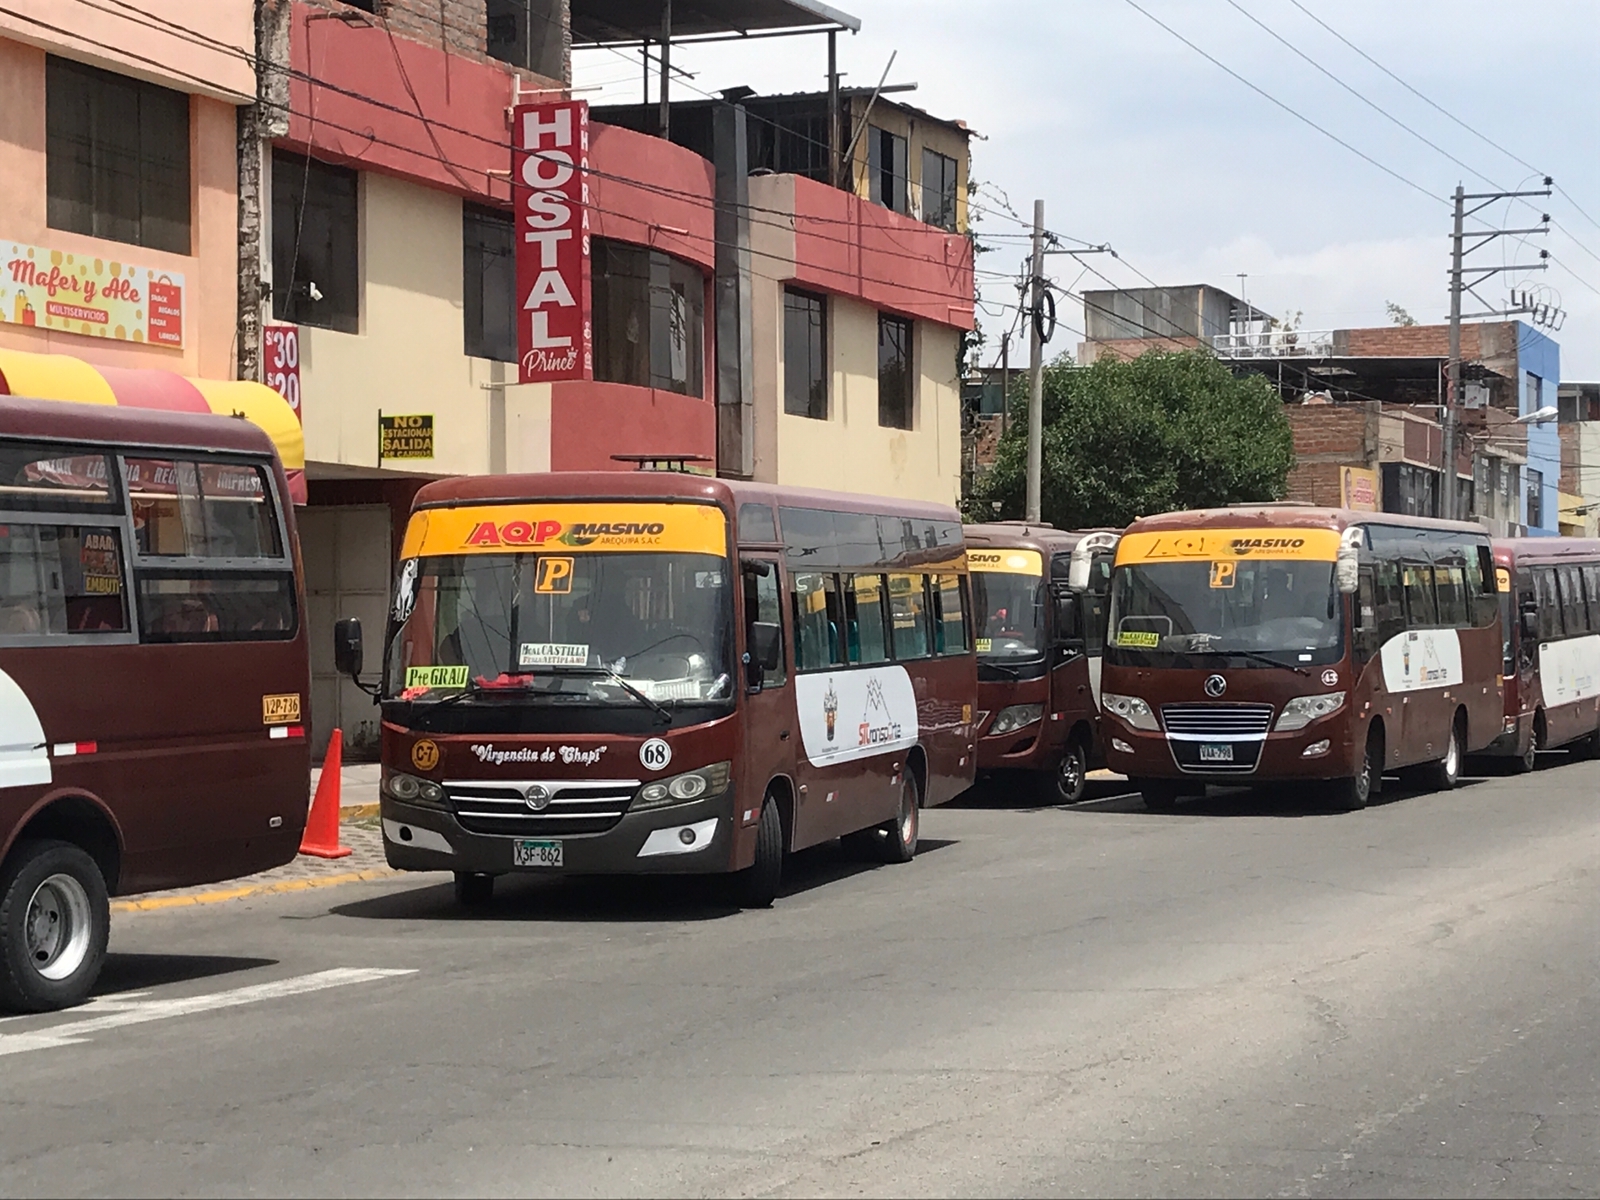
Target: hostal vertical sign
[[550, 162]]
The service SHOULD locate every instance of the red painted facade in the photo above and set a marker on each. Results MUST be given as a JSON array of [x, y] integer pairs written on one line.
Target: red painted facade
[[366, 113]]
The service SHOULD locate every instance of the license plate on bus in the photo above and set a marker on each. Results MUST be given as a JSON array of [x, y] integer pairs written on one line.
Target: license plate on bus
[[1219, 752], [530, 853]]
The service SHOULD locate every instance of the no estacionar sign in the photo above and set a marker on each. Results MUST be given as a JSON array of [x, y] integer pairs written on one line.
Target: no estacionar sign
[[405, 437]]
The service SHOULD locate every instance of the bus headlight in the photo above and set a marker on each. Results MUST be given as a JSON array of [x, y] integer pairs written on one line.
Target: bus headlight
[[412, 790], [691, 785], [1018, 716], [1303, 710], [1130, 708]]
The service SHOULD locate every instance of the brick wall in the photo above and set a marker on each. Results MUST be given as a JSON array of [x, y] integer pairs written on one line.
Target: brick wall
[[1327, 438], [456, 26]]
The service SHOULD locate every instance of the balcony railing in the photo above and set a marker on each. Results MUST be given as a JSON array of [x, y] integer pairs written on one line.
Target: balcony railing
[[1275, 343]]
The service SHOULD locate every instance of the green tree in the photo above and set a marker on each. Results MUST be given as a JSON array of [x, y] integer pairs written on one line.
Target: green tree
[[1124, 439]]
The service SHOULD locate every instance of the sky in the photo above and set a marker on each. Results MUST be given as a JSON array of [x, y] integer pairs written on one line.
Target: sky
[[1135, 140]]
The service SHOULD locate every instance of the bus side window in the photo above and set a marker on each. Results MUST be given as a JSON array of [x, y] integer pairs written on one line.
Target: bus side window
[[762, 603], [1482, 594], [818, 621], [1389, 600], [908, 602], [863, 604], [1574, 613], [950, 624], [1417, 582], [61, 579], [1094, 606], [1544, 582], [1365, 616], [1449, 580], [1591, 584]]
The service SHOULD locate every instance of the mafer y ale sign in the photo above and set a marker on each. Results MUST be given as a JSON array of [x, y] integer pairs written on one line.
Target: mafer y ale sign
[[550, 186]]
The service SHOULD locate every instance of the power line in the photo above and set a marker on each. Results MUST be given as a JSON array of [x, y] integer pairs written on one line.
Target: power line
[[1299, 116], [1372, 104]]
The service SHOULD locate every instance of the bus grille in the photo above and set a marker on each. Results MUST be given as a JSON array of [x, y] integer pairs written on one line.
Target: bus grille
[[573, 806], [1216, 721]]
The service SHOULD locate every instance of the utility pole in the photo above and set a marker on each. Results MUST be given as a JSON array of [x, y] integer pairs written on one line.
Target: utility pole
[[1005, 381], [1459, 284], [1036, 366]]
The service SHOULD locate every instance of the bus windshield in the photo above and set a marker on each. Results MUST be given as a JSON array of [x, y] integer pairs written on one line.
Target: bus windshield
[[1010, 613], [1260, 610], [602, 628]]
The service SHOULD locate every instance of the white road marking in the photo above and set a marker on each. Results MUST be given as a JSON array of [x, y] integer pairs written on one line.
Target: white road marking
[[113, 1012]]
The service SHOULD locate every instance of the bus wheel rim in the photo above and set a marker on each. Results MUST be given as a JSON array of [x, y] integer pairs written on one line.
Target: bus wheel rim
[[1070, 774], [58, 927], [908, 816], [1452, 755]]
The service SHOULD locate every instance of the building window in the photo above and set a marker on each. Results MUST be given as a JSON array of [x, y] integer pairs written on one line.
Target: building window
[[939, 190], [1535, 498], [805, 355], [116, 157], [886, 169], [1535, 392], [527, 34], [314, 244], [649, 318], [894, 372], [488, 283]]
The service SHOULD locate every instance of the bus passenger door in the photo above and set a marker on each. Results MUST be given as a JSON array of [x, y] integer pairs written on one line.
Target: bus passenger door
[[770, 728]]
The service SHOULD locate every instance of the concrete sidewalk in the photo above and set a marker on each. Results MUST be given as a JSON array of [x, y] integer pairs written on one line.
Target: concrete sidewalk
[[358, 789]]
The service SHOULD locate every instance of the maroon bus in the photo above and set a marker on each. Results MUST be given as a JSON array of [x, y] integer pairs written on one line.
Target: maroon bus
[[655, 671], [1038, 598], [1550, 619], [1289, 644], [153, 673]]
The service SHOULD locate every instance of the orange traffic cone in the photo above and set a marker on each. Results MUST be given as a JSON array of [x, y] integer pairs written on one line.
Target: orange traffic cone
[[322, 824]]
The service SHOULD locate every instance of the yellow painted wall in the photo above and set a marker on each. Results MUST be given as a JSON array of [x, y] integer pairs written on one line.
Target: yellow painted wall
[[210, 270], [408, 356], [920, 131], [850, 451]]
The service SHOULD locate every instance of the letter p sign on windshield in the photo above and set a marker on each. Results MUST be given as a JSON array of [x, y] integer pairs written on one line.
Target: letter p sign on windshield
[[554, 577], [549, 191]]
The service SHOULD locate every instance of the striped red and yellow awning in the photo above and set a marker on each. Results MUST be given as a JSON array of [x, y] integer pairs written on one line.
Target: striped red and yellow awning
[[62, 377]]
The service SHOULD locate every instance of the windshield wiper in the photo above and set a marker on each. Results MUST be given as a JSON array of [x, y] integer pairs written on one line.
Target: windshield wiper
[[608, 674], [1011, 671], [1256, 655]]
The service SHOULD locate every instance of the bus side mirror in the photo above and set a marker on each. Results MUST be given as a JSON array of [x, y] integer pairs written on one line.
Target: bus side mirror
[[1530, 618], [347, 647], [1069, 620], [766, 644]]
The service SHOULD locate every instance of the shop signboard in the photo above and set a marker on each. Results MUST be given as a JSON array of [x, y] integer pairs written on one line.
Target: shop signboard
[[549, 165], [92, 297], [405, 436], [1358, 488], [280, 345]]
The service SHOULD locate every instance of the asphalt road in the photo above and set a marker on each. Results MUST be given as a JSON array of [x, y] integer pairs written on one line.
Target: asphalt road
[[1248, 997]]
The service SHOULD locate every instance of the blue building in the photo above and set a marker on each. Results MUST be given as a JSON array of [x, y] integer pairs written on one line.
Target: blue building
[[1539, 368]]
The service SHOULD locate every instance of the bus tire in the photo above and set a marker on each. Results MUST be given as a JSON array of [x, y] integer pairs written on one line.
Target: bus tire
[[1067, 780], [1352, 794], [1159, 795], [474, 889], [757, 885], [898, 843], [1528, 759], [1443, 775], [55, 920]]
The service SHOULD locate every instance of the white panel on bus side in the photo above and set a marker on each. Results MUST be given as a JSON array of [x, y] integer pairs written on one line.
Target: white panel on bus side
[[1422, 658], [855, 712], [1569, 671], [24, 760]]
